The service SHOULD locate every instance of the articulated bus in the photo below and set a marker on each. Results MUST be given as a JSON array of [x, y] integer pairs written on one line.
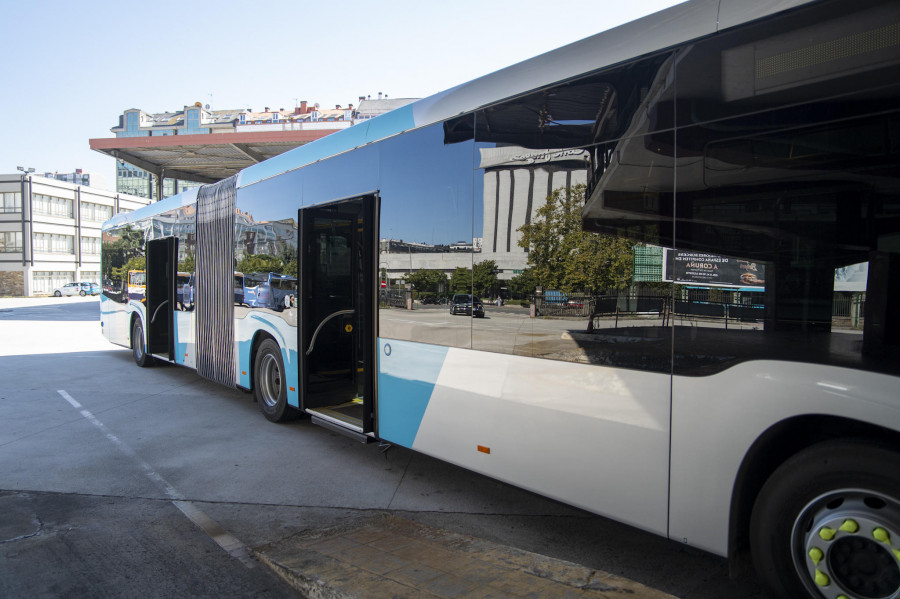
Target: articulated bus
[[719, 186]]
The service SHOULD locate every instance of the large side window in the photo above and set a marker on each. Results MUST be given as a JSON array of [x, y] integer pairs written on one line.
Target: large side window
[[122, 259], [265, 249], [788, 196], [427, 239], [570, 230], [185, 230]]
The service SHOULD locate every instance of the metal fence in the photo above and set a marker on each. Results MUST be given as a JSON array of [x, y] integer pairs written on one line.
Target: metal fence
[[847, 310]]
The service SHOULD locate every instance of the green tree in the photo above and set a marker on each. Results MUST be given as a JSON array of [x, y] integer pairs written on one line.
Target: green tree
[[461, 280], [523, 285], [260, 263], [484, 278], [188, 264], [565, 257], [428, 280]]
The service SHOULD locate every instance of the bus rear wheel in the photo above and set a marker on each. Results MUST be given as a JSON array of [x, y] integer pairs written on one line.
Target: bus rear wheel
[[141, 357], [827, 524], [271, 387]]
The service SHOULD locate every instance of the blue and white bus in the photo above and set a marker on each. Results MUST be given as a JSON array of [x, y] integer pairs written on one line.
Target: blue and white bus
[[762, 136]]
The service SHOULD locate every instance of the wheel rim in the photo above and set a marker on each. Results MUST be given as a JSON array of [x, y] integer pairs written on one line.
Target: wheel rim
[[846, 545], [270, 380]]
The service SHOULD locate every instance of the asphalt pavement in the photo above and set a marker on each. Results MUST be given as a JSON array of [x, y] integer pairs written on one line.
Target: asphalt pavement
[[117, 481]]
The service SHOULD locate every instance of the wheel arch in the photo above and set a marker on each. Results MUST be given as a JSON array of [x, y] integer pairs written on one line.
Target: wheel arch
[[771, 449]]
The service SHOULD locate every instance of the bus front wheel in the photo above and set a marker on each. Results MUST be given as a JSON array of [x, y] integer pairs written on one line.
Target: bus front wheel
[[141, 357], [827, 523], [271, 386]]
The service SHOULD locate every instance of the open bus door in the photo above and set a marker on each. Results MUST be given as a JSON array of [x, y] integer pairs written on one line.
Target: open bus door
[[337, 314], [161, 296]]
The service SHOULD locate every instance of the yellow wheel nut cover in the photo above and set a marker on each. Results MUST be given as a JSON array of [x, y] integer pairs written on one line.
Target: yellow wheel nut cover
[[849, 526], [822, 579], [816, 555], [827, 533], [882, 535]]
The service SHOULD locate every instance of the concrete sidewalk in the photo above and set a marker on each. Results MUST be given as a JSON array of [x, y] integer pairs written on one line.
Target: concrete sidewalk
[[388, 556]]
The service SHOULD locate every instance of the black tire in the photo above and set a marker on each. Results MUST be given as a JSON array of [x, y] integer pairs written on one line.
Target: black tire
[[82, 293], [270, 385], [57, 294], [141, 357], [830, 488]]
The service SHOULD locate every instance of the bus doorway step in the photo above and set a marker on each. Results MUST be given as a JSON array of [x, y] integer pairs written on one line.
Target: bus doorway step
[[322, 417]]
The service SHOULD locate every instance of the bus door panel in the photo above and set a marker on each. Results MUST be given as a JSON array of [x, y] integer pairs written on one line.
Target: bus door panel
[[337, 332], [161, 296]]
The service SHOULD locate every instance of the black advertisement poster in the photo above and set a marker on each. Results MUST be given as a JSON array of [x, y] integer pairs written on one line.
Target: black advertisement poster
[[709, 269]]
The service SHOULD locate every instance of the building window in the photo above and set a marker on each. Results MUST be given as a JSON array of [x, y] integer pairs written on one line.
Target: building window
[[52, 206], [45, 281], [90, 276], [95, 212], [90, 246], [10, 201], [50, 243], [10, 241]]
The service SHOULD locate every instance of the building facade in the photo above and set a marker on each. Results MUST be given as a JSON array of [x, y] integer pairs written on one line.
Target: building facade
[[515, 184], [79, 177], [50, 232]]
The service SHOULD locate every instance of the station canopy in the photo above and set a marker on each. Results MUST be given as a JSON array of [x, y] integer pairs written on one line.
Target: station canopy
[[204, 158]]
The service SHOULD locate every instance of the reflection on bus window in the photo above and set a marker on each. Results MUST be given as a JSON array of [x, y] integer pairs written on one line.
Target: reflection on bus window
[[137, 285], [268, 290]]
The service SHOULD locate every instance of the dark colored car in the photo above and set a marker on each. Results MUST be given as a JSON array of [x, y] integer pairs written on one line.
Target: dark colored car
[[466, 304]]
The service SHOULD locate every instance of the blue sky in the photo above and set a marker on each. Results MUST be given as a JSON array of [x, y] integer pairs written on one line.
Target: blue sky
[[73, 67]]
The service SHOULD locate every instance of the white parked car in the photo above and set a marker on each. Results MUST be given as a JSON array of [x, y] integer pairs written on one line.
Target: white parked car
[[79, 288]]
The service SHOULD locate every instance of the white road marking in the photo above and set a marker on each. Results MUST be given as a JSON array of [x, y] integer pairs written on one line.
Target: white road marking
[[209, 526]]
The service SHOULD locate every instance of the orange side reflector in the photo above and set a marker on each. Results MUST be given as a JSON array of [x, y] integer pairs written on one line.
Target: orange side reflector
[[244, 372], [484, 449], [291, 388]]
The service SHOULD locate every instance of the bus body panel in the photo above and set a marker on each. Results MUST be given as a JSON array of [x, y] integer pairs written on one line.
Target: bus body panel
[[185, 351], [248, 324], [567, 431], [716, 419], [117, 318]]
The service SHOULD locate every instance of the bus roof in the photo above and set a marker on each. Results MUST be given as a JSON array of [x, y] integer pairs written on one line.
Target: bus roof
[[667, 28]]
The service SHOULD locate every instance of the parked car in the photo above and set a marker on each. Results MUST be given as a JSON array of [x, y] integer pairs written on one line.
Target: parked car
[[78, 288], [466, 304]]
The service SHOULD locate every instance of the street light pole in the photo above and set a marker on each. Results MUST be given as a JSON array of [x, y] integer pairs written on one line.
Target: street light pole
[[26, 179]]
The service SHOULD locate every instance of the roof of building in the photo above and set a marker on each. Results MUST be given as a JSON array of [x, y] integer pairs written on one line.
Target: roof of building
[[236, 143]]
